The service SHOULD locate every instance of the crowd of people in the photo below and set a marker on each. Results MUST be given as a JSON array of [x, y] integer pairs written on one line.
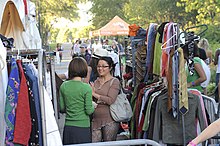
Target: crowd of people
[[90, 73]]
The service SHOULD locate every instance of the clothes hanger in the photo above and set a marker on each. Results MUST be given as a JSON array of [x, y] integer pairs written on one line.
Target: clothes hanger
[[196, 36], [175, 35], [164, 48]]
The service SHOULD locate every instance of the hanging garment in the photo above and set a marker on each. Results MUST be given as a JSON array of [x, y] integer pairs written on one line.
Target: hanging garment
[[31, 72], [12, 92], [151, 37], [23, 116], [175, 91], [169, 76], [52, 131], [34, 136], [3, 87], [183, 100], [13, 22], [133, 29], [171, 128], [31, 35]]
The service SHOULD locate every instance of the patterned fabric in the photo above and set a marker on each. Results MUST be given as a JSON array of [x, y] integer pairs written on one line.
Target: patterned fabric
[[34, 136], [11, 102], [169, 76], [175, 92], [183, 94]]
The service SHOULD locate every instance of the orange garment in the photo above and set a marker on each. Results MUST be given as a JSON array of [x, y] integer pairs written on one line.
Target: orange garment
[[133, 28], [164, 54], [169, 76]]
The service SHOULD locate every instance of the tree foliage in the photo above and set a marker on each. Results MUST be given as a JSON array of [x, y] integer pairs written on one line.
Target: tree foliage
[[104, 10], [140, 12], [157, 11], [208, 10], [49, 10]]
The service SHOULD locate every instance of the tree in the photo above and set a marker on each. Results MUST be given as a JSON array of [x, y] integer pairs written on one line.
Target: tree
[[147, 11], [208, 10], [49, 10], [104, 10]]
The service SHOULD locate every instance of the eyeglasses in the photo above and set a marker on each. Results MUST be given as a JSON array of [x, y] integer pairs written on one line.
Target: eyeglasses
[[102, 66]]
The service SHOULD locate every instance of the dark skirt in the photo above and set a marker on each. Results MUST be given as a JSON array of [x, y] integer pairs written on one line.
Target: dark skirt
[[76, 135]]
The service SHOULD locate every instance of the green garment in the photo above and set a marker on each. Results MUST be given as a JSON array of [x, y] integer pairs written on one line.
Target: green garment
[[195, 76], [147, 114], [157, 56], [76, 102]]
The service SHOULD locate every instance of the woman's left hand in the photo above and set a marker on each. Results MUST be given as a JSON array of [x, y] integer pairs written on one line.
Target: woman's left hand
[[93, 88]]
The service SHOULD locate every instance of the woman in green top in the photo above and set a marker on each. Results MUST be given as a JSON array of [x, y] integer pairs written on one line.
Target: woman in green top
[[194, 81], [76, 102]]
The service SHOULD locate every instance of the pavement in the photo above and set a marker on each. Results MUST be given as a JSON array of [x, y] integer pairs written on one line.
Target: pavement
[[60, 68]]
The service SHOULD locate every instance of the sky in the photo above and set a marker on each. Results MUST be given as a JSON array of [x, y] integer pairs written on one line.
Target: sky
[[84, 15]]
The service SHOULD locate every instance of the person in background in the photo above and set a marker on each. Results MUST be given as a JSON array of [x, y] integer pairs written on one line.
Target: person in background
[[204, 44], [65, 75], [217, 62], [94, 61], [75, 50], [87, 56], [59, 49], [76, 102], [95, 46], [104, 91], [115, 47], [207, 133], [194, 81]]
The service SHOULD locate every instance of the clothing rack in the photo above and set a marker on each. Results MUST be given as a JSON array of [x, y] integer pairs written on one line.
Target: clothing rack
[[42, 69], [134, 43]]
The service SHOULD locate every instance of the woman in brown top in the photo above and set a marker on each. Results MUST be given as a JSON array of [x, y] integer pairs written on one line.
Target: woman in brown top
[[105, 90]]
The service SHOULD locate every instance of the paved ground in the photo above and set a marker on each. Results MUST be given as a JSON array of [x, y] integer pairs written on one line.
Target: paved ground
[[60, 68]]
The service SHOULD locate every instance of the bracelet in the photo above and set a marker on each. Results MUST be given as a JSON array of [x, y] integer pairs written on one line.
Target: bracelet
[[192, 143], [193, 84]]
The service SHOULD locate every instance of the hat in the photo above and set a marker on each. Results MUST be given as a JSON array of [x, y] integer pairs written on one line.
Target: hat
[[99, 52]]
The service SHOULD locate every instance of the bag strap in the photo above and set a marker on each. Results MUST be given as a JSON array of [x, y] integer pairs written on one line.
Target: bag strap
[[121, 91], [112, 81]]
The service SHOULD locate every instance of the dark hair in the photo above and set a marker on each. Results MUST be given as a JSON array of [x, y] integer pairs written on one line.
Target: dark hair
[[109, 62], [78, 68], [93, 64]]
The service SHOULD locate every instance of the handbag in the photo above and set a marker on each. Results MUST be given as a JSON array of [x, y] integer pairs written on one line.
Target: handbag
[[121, 110]]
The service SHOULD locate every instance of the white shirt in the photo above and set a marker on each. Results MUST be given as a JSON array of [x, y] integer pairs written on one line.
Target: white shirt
[[96, 46], [115, 59], [76, 49], [207, 73], [218, 66]]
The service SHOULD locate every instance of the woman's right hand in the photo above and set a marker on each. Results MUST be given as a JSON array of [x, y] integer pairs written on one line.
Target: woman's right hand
[[94, 104]]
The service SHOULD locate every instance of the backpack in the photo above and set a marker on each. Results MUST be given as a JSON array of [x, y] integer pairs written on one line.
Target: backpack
[[121, 110]]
